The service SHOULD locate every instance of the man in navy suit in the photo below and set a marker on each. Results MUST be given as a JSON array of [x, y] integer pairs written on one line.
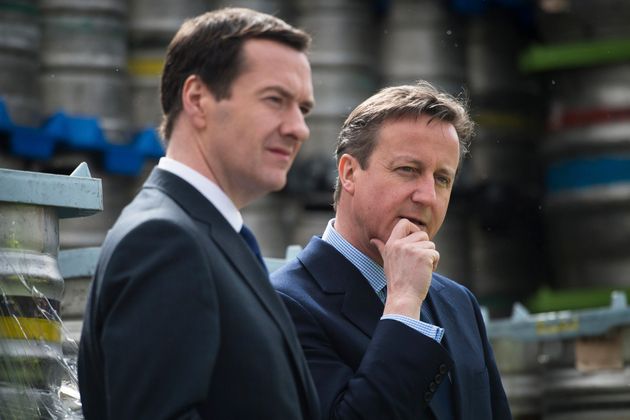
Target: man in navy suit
[[182, 321], [384, 335]]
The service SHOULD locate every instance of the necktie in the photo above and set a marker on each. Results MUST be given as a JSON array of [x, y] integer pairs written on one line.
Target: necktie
[[251, 242]]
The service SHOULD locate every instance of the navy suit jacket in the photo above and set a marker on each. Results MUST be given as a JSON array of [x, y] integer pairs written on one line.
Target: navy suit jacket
[[182, 322], [367, 368]]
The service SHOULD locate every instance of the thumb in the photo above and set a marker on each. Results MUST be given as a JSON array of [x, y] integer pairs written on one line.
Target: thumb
[[380, 245]]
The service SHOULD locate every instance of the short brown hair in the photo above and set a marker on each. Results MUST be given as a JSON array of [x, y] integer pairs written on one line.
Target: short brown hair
[[359, 132], [210, 46]]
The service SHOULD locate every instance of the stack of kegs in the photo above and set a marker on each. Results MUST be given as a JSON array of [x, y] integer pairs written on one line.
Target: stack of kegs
[[588, 177], [587, 150], [31, 361], [152, 24], [19, 60], [507, 258], [343, 64], [342, 60], [588, 189], [33, 369], [84, 55], [422, 39]]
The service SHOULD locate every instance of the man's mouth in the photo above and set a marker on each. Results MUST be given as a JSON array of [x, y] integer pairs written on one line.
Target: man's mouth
[[285, 153]]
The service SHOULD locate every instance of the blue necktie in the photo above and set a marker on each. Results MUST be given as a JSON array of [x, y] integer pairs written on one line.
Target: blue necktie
[[251, 242], [443, 397]]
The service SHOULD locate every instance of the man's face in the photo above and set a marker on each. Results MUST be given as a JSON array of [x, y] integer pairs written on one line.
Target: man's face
[[260, 127], [410, 175]]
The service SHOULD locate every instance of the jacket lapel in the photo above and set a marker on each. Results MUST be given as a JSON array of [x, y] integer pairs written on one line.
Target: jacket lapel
[[236, 250], [337, 275], [228, 241]]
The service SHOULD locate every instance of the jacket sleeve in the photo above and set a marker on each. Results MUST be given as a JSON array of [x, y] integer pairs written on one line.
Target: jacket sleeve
[[160, 330], [392, 379]]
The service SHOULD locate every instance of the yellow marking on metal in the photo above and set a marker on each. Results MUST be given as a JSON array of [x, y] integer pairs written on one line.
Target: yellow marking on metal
[[22, 328], [566, 325], [146, 66]]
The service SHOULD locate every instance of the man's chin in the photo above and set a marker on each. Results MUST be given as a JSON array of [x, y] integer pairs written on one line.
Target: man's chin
[[278, 184]]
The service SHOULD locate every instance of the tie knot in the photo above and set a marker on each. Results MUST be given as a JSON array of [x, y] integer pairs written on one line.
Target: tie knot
[[249, 237], [251, 242]]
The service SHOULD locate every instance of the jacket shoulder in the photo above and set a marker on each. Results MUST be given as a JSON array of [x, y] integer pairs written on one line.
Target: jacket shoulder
[[290, 276], [442, 281]]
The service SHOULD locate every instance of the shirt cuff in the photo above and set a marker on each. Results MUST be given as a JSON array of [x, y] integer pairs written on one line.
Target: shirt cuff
[[430, 330]]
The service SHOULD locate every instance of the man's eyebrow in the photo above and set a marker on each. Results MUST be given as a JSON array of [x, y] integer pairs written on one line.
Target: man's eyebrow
[[404, 159], [308, 104]]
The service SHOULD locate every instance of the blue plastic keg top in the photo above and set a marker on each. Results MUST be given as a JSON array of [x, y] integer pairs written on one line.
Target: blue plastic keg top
[[82, 133]]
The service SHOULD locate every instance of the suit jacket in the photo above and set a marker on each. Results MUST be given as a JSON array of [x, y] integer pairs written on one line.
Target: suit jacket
[[182, 321], [368, 368]]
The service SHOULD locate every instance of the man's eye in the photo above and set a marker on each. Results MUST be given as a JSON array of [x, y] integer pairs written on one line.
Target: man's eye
[[406, 169], [443, 180], [275, 99]]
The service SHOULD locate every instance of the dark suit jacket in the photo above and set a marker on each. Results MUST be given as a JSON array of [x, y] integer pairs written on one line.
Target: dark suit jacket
[[182, 321], [368, 368]]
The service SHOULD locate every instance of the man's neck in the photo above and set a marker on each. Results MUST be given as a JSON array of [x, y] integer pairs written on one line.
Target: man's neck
[[349, 230]]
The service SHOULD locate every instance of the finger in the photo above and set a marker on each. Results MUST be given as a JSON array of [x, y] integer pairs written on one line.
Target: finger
[[435, 258], [429, 255], [403, 228], [419, 237]]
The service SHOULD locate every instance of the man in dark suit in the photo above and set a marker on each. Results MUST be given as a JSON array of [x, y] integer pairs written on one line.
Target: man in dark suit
[[182, 321], [384, 335]]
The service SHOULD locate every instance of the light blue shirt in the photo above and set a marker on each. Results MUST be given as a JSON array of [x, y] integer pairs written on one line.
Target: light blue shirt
[[375, 275]]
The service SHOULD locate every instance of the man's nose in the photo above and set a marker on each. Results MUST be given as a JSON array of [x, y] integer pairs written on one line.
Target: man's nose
[[294, 125], [424, 191]]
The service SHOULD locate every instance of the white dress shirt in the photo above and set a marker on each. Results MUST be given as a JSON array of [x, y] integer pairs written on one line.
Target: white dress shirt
[[209, 189]]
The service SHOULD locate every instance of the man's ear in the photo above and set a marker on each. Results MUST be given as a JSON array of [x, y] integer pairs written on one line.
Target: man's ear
[[194, 100], [347, 169]]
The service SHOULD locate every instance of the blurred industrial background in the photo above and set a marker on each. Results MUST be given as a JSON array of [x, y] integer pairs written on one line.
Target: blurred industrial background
[[541, 210]]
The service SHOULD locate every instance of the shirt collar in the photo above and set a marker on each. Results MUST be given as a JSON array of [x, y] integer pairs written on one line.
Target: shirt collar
[[373, 272], [207, 188]]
